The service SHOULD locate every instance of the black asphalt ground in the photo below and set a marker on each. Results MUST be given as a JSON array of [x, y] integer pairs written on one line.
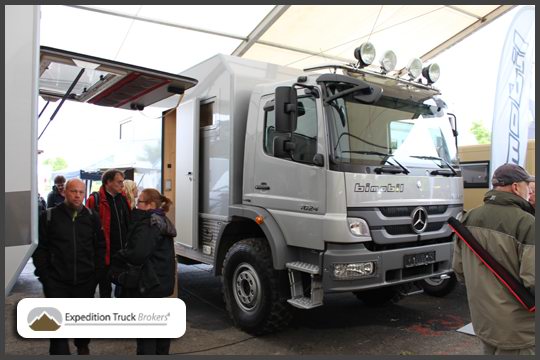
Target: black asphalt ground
[[417, 325]]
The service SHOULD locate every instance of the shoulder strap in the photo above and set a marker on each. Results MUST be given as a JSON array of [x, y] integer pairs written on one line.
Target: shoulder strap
[[96, 200], [516, 288]]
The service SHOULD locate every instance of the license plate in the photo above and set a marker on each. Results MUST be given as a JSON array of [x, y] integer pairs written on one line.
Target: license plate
[[419, 259]]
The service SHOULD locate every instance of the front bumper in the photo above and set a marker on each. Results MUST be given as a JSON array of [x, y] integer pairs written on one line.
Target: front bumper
[[389, 269]]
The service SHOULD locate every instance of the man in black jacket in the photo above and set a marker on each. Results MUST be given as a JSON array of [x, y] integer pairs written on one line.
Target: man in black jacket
[[57, 196], [70, 254]]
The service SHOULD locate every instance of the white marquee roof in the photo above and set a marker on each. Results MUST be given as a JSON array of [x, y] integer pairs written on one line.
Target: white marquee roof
[[173, 38]]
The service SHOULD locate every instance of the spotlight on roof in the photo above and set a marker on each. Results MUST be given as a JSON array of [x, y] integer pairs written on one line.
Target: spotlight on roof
[[414, 68], [388, 61], [365, 54], [432, 73]]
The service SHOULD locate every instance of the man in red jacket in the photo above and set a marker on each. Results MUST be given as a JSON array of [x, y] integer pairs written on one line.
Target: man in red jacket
[[114, 211]]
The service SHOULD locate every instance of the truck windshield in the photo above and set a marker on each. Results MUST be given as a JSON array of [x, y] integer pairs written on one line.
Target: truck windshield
[[416, 134]]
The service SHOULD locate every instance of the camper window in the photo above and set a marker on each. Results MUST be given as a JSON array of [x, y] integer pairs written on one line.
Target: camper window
[[207, 113], [475, 174]]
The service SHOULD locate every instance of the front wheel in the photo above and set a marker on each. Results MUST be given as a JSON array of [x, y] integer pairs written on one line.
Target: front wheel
[[255, 294], [438, 287]]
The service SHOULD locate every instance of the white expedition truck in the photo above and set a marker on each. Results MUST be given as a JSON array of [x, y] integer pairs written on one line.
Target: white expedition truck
[[295, 183], [291, 183]]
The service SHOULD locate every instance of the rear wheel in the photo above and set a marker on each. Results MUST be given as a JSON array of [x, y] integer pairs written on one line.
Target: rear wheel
[[380, 296], [255, 293], [436, 286]]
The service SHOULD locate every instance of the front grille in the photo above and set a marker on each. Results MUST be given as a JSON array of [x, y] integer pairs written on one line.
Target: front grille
[[373, 246], [395, 211], [407, 229]]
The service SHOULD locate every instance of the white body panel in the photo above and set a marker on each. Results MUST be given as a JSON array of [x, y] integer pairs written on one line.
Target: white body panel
[[227, 82], [21, 99]]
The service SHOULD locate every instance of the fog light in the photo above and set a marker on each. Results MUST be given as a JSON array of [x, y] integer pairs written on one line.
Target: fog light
[[358, 227], [353, 271]]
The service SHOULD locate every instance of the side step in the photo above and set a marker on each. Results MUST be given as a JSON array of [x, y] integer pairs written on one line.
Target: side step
[[298, 299]]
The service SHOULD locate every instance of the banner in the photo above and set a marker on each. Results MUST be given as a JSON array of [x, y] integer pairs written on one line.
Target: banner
[[509, 128]]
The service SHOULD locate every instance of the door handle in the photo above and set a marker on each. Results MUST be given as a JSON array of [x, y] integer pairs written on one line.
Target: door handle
[[262, 186]]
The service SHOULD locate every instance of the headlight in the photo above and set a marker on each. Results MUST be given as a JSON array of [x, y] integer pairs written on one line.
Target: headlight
[[414, 68], [365, 54], [432, 73], [358, 227], [352, 271], [389, 61]]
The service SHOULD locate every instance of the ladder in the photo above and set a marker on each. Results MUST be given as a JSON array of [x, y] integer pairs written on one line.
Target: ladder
[[298, 299]]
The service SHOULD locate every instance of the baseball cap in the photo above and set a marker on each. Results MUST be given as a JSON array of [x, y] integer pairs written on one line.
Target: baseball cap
[[510, 173]]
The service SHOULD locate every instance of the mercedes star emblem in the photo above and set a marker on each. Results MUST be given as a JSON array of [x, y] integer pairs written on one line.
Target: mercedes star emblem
[[419, 219]]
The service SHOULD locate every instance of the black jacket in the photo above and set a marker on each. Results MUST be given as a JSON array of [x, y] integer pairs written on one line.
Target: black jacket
[[150, 244], [54, 198], [70, 250]]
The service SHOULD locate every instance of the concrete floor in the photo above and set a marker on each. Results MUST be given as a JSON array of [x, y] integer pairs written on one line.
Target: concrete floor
[[417, 325]]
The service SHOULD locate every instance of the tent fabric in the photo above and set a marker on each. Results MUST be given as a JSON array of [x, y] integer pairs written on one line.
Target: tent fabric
[[173, 38]]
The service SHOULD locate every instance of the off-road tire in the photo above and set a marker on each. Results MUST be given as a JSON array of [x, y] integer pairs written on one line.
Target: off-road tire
[[249, 262], [439, 288], [380, 296]]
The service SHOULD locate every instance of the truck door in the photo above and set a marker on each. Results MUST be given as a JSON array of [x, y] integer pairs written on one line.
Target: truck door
[[293, 189], [187, 170]]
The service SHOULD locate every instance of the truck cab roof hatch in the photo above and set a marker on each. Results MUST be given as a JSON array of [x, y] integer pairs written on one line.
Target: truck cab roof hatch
[[105, 82]]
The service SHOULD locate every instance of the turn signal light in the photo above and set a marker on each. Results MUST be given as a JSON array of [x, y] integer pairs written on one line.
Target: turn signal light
[[259, 219]]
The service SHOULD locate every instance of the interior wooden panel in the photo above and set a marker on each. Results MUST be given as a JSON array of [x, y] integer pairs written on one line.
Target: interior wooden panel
[[169, 159]]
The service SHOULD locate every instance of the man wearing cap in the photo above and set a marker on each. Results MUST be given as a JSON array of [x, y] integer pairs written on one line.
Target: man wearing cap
[[504, 227]]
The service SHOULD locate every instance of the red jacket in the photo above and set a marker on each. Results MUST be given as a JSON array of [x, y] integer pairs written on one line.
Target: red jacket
[[105, 216]]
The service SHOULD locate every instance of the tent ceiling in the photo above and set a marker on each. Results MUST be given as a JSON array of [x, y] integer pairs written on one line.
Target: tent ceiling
[[172, 38]]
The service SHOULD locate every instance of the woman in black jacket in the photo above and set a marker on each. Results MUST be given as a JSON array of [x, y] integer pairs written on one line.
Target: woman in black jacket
[[150, 248]]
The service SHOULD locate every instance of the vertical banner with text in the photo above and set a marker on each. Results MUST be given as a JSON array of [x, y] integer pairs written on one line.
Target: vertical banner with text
[[509, 129]]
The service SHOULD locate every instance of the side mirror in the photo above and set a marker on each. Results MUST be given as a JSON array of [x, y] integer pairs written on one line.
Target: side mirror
[[286, 106], [453, 123], [318, 160]]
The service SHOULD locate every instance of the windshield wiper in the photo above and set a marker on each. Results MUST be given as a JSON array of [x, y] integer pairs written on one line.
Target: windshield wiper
[[393, 169], [437, 172]]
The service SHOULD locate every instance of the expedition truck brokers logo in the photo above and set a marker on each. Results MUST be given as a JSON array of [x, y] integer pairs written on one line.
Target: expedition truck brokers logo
[[101, 318], [376, 188], [44, 319]]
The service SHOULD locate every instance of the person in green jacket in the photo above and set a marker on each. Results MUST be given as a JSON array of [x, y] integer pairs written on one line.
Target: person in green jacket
[[504, 226]]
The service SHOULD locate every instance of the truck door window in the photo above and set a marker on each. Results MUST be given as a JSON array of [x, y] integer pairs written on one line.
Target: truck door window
[[305, 136]]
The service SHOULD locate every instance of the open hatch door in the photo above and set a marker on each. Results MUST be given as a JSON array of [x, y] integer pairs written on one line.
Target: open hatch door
[[84, 78]]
